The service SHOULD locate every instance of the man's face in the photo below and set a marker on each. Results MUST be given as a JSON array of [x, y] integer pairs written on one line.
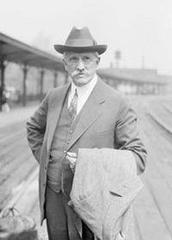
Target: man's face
[[81, 67]]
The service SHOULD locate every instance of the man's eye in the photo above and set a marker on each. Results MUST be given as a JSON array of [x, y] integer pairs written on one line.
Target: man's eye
[[73, 59], [87, 58]]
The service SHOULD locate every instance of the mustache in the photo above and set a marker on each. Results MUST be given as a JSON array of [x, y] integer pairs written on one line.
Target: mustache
[[77, 72]]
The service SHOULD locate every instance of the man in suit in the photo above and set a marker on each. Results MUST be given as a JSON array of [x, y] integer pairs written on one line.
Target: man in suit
[[85, 113]]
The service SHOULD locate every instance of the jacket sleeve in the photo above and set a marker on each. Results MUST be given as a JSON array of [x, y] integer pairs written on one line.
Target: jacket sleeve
[[127, 135], [36, 126]]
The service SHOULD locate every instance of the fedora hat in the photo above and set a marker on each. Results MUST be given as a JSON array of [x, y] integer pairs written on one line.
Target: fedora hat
[[80, 40]]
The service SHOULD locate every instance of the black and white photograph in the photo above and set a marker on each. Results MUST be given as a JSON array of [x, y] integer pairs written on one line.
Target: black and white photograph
[[86, 120]]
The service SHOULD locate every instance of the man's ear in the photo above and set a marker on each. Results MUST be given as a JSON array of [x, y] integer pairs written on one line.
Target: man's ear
[[98, 60]]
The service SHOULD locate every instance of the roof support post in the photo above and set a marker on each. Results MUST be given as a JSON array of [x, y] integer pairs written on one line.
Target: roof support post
[[41, 93], [55, 84], [2, 77], [25, 71]]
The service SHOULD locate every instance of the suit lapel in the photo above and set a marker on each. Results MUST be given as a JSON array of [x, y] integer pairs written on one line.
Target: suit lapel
[[89, 114], [56, 106]]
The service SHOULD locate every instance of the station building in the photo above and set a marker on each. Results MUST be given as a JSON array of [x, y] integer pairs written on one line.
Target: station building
[[136, 81], [23, 68], [27, 73]]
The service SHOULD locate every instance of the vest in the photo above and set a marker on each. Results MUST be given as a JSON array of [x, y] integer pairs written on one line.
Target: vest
[[57, 163]]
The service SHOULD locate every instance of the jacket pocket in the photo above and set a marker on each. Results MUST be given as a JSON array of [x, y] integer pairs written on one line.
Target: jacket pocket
[[126, 187]]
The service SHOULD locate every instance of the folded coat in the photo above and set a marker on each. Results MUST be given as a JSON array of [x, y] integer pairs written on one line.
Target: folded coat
[[104, 186]]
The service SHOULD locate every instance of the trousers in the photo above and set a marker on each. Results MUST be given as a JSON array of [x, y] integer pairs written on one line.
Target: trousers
[[60, 217]]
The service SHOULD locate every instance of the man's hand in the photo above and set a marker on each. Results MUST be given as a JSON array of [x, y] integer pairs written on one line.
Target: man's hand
[[71, 157], [120, 236]]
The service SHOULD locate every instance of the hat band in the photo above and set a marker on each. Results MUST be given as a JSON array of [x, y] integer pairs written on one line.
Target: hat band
[[80, 43]]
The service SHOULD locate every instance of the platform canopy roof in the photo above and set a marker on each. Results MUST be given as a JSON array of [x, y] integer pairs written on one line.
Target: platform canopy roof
[[136, 76], [18, 52]]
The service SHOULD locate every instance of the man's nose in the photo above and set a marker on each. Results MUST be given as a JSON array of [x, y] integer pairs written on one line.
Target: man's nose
[[80, 65]]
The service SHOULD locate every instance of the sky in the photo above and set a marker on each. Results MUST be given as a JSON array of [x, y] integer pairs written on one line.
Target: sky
[[140, 29]]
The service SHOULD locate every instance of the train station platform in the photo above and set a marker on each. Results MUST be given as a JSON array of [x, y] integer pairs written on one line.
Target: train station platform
[[19, 170], [17, 114], [153, 206]]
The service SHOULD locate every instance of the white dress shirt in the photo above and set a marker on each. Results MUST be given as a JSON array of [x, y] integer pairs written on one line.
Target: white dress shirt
[[83, 93]]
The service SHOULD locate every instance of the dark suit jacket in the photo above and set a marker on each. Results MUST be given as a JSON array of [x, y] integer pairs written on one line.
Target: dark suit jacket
[[106, 121]]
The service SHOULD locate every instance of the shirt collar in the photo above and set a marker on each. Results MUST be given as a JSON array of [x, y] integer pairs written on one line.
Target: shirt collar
[[84, 89]]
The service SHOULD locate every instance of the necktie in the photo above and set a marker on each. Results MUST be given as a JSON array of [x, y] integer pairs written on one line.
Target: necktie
[[73, 105]]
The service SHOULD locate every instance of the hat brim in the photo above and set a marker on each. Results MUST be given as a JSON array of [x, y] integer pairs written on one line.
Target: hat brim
[[65, 48]]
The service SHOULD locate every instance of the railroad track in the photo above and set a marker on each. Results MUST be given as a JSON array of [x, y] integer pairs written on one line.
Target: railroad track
[[154, 208], [18, 169], [160, 122], [168, 108], [162, 116], [16, 161]]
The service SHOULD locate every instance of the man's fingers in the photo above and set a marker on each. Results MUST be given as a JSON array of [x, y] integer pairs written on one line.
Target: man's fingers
[[71, 154], [71, 159], [119, 237]]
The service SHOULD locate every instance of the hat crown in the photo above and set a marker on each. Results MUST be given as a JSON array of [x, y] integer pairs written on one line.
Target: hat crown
[[80, 38]]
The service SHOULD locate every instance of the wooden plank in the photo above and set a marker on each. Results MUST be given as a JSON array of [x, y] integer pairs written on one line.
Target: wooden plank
[[149, 221], [154, 209], [9, 139], [10, 153], [16, 162], [159, 178], [18, 175]]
